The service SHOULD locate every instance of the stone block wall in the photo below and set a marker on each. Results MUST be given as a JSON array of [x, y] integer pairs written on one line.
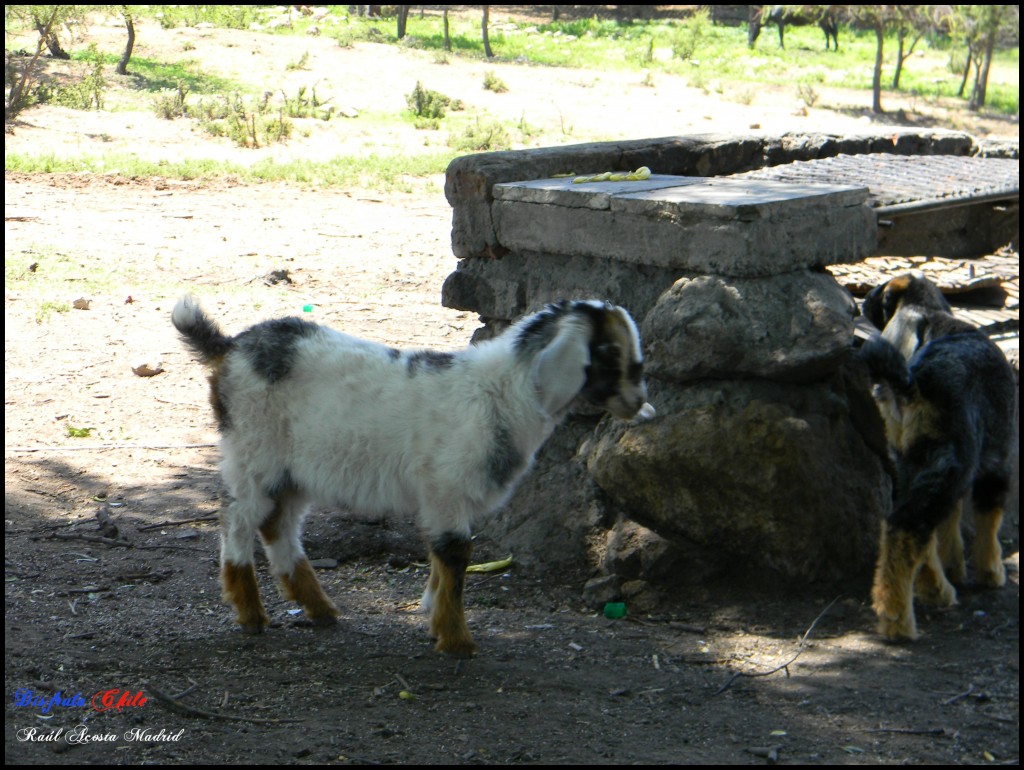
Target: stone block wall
[[767, 450]]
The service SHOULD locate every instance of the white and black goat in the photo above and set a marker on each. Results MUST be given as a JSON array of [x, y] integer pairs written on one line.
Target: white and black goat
[[310, 415]]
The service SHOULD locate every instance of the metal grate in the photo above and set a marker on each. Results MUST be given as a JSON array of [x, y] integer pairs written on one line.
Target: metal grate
[[908, 183]]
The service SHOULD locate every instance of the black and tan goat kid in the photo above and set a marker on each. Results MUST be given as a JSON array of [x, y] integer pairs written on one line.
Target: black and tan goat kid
[[948, 398], [310, 415]]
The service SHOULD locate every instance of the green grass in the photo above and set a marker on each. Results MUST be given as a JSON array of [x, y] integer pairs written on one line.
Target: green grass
[[700, 50], [710, 57], [227, 16], [48, 278], [151, 76], [49, 272], [374, 171]]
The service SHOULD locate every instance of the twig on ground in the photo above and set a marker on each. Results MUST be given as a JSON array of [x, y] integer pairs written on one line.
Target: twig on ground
[[908, 730], [959, 696], [175, 705], [800, 649], [168, 523], [90, 539], [103, 447], [187, 690], [120, 543], [401, 681]]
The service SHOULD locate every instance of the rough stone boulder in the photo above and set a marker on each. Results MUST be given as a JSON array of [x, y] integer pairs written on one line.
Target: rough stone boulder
[[794, 326], [782, 476]]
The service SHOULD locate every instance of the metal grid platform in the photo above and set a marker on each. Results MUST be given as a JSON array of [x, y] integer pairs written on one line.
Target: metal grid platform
[[908, 183]]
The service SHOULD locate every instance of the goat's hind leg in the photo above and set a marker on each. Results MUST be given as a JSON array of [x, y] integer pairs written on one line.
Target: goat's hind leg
[[944, 560], [281, 532], [237, 572], [899, 558], [449, 557], [951, 545], [989, 496], [931, 585]]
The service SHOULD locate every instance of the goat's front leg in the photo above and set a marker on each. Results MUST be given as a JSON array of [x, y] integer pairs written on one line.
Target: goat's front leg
[[282, 540], [449, 557]]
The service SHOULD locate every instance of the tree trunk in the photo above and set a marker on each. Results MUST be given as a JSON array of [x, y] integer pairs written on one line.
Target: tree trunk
[[487, 39], [876, 82], [16, 97], [981, 82], [122, 66], [447, 37], [50, 38], [900, 35], [967, 71], [403, 18]]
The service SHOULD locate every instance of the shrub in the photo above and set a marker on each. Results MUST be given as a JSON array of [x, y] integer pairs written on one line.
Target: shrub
[[493, 83], [171, 104]]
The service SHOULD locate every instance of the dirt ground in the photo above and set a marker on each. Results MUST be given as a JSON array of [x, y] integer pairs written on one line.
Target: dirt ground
[[111, 582]]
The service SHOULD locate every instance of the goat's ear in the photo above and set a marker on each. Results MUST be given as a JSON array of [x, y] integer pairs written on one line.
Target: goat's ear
[[560, 369], [872, 308]]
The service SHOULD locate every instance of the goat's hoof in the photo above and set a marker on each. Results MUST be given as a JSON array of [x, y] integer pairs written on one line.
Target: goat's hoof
[[943, 595], [252, 628], [324, 621], [897, 629], [994, 577], [956, 573], [456, 648]]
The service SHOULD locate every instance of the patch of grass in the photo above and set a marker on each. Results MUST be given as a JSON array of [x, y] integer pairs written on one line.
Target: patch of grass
[[227, 16], [429, 107], [48, 308], [481, 136], [250, 123], [306, 104], [171, 104], [714, 51], [74, 432], [301, 64], [374, 171], [426, 103], [807, 94], [48, 274], [493, 83], [86, 92]]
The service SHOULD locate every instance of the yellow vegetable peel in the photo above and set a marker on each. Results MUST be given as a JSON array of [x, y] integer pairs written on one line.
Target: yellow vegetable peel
[[491, 566]]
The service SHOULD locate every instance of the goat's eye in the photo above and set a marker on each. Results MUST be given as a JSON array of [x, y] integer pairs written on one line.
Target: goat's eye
[[607, 354]]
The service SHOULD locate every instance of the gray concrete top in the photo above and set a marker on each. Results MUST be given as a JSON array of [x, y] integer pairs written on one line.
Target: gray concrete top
[[728, 226], [591, 195], [720, 198], [727, 198]]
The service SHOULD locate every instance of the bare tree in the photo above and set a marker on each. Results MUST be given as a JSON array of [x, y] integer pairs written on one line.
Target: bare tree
[[403, 18], [912, 22], [49, 31], [122, 65], [487, 38], [985, 24], [878, 18], [17, 98]]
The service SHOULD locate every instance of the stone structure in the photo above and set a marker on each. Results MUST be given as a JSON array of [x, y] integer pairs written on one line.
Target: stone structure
[[767, 448]]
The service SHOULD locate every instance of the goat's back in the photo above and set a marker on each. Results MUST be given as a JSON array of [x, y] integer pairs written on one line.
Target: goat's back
[[370, 427]]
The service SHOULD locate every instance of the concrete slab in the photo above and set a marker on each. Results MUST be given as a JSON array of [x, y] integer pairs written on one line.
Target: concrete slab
[[738, 198], [708, 225], [592, 195]]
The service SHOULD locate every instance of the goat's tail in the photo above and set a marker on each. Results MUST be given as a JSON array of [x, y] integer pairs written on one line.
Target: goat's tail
[[886, 365], [200, 332]]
